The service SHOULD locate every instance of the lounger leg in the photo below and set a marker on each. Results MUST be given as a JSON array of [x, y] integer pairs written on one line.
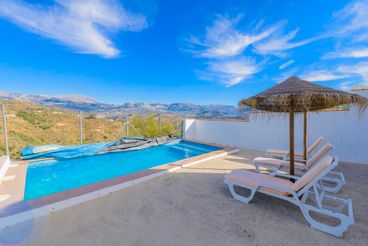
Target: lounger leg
[[345, 221], [239, 197], [336, 178], [257, 167]]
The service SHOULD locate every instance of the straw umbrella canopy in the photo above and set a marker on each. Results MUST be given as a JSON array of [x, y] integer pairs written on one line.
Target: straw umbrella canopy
[[295, 95]]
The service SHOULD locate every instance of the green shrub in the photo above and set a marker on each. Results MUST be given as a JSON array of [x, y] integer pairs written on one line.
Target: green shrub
[[34, 119], [91, 116]]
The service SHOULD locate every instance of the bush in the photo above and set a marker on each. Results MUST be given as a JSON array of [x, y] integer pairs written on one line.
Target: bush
[[144, 126], [91, 117], [34, 119], [148, 126]]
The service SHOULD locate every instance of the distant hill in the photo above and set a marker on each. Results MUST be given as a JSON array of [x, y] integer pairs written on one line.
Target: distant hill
[[113, 111]]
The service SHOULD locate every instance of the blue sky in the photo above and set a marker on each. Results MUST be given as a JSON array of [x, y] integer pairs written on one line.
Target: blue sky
[[200, 51]]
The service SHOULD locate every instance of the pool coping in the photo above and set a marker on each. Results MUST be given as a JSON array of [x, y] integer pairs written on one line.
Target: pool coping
[[26, 210]]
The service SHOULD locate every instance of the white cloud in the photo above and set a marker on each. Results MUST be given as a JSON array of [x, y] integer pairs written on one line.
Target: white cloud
[[353, 18], [346, 85], [286, 64], [229, 72], [350, 29], [277, 43], [83, 25], [223, 39], [224, 46], [349, 85], [348, 53], [359, 69], [324, 75]]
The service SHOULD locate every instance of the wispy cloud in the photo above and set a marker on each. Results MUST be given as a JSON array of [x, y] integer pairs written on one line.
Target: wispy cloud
[[347, 85], [278, 43], [286, 64], [353, 72], [348, 53], [353, 18], [360, 69], [85, 25], [224, 39], [225, 47], [350, 29], [229, 72], [324, 75]]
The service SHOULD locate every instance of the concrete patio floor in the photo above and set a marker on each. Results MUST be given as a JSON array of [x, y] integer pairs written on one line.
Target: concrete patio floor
[[192, 206]]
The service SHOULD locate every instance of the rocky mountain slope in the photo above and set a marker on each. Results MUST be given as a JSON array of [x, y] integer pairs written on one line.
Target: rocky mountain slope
[[89, 105]]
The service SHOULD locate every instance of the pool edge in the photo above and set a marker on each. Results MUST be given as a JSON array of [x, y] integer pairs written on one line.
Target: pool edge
[[43, 206]]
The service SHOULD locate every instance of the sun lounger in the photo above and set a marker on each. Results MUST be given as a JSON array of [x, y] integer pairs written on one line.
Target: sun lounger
[[283, 154], [335, 179], [298, 193]]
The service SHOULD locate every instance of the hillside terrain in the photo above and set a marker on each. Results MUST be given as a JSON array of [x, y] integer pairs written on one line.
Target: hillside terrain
[[30, 124], [113, 111]]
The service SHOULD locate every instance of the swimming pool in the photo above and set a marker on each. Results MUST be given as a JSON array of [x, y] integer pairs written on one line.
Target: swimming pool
[[51, 176]]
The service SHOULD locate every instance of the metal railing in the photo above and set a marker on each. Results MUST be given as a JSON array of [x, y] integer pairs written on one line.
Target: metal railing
[[5, 129], [23, 127]]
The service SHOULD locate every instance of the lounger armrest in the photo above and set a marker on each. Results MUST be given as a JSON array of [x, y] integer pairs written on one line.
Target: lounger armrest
[[274, 166], [299, 165], [285, 175], [277, 165], [276, 156], [301, 160], [296, 164], [286, 157], [275, 187]]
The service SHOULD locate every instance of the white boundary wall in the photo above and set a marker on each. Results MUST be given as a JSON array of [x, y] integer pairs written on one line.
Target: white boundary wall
[[4, 165], [344, 129]]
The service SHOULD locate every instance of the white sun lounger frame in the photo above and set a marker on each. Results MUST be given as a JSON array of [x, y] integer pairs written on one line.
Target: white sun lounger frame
[[298, 156], [299, 199], [333, 177]]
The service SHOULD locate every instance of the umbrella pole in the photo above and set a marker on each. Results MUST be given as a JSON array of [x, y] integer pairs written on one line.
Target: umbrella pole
[[291, 140], [305, 140]]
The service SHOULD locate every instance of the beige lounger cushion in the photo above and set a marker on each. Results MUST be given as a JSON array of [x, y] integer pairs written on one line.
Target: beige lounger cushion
[[312, 173], [315, 145], [271, 162], [277, 152], [310, 149], [282, 165], [286, 169], [318, 155], [252, 179]]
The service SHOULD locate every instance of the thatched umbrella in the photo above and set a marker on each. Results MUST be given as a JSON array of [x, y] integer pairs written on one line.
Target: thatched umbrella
[[295, 95]]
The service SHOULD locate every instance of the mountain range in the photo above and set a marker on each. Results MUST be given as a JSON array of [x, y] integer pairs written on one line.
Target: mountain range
[[115, 111]]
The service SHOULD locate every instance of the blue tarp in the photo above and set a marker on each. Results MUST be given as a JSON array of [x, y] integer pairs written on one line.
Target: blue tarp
[[63, 152]]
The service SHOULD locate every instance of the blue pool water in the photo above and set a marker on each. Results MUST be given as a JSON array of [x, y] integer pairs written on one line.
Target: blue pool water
[[52, 176]]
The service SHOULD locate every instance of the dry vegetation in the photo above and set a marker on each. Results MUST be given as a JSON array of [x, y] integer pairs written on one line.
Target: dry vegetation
[[30, 124]]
